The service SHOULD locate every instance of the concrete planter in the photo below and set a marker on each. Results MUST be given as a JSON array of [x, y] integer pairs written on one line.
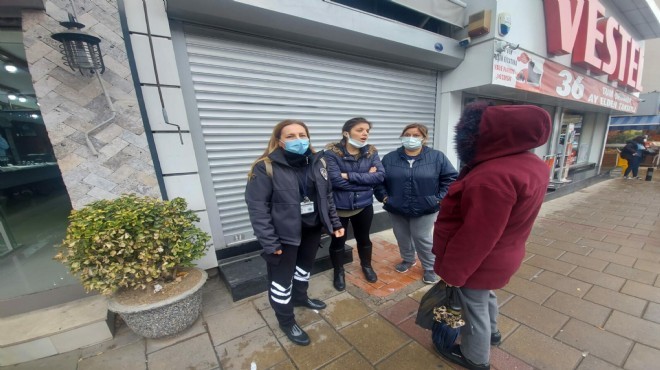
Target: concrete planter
[[168, 317]]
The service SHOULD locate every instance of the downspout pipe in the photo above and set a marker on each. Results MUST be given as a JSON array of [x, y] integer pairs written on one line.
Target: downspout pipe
[[113, 114]]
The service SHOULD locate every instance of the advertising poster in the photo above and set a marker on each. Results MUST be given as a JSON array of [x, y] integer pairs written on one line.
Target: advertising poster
[[522, 70]]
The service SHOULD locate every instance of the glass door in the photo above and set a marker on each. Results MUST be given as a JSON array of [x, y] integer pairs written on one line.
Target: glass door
[[34, 204], [568, 145]]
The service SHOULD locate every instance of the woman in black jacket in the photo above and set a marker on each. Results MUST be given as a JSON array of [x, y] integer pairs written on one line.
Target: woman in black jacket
[[289, 199], [634, 153], [416, 180], [354, 169]]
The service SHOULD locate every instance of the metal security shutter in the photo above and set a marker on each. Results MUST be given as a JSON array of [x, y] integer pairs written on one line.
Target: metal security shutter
[[244, 85]]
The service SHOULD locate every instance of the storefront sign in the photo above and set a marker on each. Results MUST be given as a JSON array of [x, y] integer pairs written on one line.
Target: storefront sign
[[596, 42], [521, 70]]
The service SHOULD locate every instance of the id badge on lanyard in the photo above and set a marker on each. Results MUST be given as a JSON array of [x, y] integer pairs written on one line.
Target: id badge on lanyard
[[306, 206]]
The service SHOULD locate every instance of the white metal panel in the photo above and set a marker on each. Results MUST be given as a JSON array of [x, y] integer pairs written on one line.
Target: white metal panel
[[244, 85]]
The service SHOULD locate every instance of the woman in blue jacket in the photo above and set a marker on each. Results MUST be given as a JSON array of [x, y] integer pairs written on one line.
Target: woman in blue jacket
[[416, 180], [289, 199], [354, 169]]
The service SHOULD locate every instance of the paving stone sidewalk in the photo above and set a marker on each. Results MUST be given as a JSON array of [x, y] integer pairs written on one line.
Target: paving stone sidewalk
[[586, 297]]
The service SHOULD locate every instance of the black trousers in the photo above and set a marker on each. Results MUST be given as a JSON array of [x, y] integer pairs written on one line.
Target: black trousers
[[289, 273], [633, 165], [361, 223]]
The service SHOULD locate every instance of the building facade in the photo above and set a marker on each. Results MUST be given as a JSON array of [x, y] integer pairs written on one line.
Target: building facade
[[191, 90]]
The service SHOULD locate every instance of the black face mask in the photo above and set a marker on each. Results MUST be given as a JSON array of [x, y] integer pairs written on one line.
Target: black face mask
[[297, 160]]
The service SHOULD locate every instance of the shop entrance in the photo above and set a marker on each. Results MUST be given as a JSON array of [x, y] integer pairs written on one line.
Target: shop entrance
[[243, 85], [568, 146], [34, 204]]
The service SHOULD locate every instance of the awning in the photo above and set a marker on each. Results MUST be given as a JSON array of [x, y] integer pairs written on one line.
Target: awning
[[635, 122]]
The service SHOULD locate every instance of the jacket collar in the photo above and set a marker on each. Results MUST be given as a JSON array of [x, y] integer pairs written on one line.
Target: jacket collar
[[340, 150]]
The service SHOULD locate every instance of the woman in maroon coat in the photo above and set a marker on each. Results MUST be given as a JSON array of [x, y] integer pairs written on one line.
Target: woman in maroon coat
[[488, 213]]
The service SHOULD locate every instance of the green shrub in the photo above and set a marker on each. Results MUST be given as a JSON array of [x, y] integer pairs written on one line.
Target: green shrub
[[130, 242]]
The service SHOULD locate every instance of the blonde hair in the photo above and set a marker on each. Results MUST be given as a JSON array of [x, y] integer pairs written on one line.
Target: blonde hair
[[274, 141]]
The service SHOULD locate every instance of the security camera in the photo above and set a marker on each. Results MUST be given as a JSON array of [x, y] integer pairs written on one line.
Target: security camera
[[464, 42]]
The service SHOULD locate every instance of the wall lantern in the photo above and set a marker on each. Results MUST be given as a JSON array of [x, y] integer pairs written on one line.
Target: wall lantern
[[80, 50]]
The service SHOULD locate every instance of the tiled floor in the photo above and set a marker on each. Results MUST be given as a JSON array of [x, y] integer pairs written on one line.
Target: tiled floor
[[586, 297]]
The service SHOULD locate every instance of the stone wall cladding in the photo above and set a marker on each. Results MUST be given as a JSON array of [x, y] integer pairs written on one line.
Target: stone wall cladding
[[72, 104]]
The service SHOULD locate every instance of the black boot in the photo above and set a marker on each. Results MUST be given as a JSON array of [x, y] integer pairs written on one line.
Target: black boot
[[337, 258], [365, 261]]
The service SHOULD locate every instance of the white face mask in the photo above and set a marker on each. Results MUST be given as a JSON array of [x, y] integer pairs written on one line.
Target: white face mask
[[355, 143], [411, 143]]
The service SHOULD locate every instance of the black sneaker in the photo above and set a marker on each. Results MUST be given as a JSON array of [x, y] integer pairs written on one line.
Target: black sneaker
[[453, 354], [296, 334], [496, 338]]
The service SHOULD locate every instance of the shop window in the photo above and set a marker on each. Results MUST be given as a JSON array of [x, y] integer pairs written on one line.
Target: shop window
[[34, 204], [410, 16], [618, 136], [571, 130]]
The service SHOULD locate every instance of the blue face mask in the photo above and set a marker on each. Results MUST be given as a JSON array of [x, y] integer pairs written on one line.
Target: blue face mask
[[411, 143], [296, 146], [356, 143]]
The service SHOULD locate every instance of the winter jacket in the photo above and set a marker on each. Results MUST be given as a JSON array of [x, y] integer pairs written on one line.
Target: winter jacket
[[356, 192], [632, 149], [416, 189], [274, 203], [488, 213]]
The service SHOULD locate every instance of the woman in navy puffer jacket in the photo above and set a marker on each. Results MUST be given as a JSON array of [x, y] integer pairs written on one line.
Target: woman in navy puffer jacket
[[354, 169], [417, 178]]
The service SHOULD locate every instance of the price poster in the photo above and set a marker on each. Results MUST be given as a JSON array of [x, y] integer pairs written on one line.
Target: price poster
[[521, 70]]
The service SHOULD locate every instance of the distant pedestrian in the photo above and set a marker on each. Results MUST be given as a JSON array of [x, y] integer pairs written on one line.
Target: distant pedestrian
[[354, 169], [634, 152], [487, 215], [289, 199], [416, 180]]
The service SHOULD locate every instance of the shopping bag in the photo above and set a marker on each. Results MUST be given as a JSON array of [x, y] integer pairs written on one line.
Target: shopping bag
[[448, 319], [441, 311], [434, 297]]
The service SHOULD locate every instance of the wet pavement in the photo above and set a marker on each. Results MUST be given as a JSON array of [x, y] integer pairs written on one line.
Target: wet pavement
[[586, 297]]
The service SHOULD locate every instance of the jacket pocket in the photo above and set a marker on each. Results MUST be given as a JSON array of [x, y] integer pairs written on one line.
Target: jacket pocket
[[431, 202], [452, 201]]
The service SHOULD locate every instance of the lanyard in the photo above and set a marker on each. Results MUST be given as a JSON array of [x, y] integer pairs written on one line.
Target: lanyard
[[302, 184]]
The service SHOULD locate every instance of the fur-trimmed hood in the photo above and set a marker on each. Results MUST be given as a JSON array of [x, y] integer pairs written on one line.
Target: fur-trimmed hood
[[486, 132], [340, 150]]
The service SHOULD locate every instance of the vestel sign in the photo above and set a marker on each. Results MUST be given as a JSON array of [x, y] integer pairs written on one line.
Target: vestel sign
[[596, 42]]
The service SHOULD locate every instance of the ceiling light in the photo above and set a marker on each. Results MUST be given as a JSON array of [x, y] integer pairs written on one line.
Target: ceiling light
[[11, 97], [11, 68], [22, 99]]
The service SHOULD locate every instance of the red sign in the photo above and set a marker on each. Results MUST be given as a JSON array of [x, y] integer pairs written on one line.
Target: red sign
[[596, 42], [525, 71]]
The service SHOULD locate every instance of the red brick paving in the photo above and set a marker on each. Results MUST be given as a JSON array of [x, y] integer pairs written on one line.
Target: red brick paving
[[384, 256]]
